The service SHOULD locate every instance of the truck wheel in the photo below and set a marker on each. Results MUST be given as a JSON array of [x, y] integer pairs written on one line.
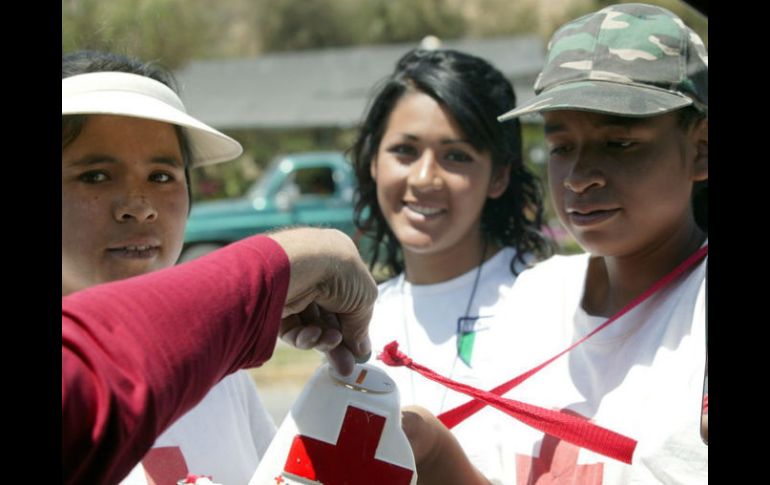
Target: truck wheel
[[196, 251]]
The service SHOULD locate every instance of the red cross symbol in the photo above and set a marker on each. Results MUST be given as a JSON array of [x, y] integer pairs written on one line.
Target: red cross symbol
[[279, 479], [351, 460], [557, 465], [165, 464]]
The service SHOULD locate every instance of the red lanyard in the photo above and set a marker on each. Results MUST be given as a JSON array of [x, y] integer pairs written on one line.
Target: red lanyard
[[576, 430]]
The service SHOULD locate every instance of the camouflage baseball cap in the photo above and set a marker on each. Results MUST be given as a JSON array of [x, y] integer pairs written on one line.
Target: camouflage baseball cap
[[629, 60]]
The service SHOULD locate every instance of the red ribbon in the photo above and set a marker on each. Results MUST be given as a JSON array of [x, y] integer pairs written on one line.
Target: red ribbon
[[570, 428], [576, 430]]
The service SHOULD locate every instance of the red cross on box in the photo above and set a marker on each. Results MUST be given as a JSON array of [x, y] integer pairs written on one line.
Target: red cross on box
[[351, 460]]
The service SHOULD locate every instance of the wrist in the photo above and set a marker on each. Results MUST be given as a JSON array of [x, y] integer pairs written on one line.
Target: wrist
[[314, 254]]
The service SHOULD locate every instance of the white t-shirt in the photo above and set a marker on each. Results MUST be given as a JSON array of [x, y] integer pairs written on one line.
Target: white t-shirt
[[642, 377], [423, 320], [224, 437]]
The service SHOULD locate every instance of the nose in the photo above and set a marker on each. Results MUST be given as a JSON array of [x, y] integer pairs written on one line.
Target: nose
[[134, 206], [585, 173], [425, 173]]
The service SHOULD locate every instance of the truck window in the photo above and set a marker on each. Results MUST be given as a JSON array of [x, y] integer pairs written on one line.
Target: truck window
[[318, 181]]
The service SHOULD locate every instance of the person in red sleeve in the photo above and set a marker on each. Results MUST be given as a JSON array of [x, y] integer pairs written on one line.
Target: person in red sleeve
[[151, 353]]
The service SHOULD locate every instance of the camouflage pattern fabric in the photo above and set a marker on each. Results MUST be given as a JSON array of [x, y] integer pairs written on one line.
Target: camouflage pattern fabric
[[628, 60]]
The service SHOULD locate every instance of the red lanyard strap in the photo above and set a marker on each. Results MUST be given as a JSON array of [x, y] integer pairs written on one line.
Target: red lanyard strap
[[575, 430], [453, 417]]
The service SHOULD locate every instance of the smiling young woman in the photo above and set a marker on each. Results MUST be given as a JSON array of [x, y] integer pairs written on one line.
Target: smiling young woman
[[432, 186], [443, 190]]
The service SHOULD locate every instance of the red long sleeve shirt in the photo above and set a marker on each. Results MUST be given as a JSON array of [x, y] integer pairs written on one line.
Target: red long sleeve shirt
[[139, 353]]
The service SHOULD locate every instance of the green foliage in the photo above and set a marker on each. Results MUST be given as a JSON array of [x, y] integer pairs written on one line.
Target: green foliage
[[409, 20], [502, 18], [285, 25], [166, 31], [176, 31]]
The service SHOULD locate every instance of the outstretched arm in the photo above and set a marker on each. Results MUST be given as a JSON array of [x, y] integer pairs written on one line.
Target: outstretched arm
[[138, 353]]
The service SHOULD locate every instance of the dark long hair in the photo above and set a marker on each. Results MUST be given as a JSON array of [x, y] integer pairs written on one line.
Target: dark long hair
[[475, 93], [83, 62]]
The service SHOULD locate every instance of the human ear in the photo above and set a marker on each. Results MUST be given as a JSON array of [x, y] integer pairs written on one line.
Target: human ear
[[373, 168], [499, 182], [700, 137]]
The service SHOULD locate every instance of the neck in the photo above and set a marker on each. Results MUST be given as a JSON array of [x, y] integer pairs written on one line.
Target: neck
[[613, 281], [426, 269]]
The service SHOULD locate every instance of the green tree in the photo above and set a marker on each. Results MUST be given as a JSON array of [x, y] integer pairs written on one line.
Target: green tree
[[284, 25], [405, 20], [168, 31], [287, 25], [176, 31]]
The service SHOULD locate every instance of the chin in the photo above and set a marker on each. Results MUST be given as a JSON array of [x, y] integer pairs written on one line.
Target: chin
[[135, 270], [422, 247], [413, 240], [603, 248]]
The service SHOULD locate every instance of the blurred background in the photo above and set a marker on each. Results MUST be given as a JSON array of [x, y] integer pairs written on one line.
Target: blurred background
[[293, 76]]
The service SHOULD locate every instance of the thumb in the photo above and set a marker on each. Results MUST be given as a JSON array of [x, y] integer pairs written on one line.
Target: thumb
[[355, 333]]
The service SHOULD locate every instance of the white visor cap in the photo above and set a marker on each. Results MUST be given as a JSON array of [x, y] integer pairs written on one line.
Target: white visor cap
[[125, 94]]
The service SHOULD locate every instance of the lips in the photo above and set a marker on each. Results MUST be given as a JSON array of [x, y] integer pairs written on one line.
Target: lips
[[141, 248], [586, 216], [135, 252], [133, 248], [423, 210]]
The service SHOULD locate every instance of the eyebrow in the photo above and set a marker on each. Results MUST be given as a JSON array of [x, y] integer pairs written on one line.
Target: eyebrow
[[601, 122], [443, 141], [96, 159], [551, 128], [624, 121]]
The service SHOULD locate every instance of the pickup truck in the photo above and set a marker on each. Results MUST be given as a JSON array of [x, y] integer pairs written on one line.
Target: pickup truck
[[313, 188]]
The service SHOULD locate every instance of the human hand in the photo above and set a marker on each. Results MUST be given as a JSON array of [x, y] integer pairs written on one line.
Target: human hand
[[330, 297], [421, 429], [438, 456]]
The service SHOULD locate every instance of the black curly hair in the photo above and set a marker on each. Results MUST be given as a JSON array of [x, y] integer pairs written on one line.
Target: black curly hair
[[475, 93]]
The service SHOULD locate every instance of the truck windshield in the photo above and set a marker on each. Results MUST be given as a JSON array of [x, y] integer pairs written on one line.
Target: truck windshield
[[262, 186]]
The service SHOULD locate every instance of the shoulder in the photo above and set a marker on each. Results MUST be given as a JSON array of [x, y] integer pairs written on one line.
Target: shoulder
[[234, 397], [229, 392], [239, 382], [389, 303], [557, 265], [555, 279], [388, 289]]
